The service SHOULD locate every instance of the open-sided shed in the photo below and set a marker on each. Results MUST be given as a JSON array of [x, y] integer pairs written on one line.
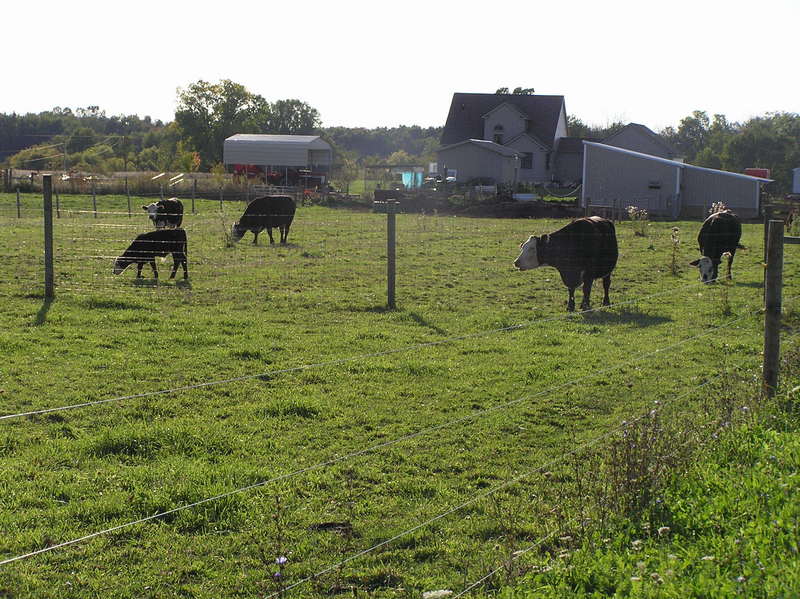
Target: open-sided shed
[[617, 177], [278, 152]]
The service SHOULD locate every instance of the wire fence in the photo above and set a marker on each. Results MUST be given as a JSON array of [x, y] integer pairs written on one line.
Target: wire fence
[[83, 244]]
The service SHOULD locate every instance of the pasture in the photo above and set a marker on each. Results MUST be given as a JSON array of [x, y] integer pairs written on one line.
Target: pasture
[[306, 421]]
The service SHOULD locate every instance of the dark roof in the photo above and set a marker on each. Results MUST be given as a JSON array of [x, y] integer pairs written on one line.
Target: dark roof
[[484, 144], [571, 145], [465, 119], [648, 132]]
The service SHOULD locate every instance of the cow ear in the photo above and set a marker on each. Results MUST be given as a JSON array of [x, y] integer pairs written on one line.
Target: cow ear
[[694, 262], [144, 208]]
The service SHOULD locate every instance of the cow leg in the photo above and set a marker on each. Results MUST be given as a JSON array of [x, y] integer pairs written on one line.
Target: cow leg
[[606, 287], [153, 266], [282, 230], [185, 263], [587, 292], [730, 265], [175, 259], [255, 237], [269, 232], [139, 269], [571, 302]]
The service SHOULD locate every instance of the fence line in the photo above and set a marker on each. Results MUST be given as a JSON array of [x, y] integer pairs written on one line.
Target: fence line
[[364, 451], [339, 361], [507, 483]]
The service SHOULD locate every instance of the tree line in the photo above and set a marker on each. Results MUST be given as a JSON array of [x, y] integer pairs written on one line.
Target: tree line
[[87, 139]]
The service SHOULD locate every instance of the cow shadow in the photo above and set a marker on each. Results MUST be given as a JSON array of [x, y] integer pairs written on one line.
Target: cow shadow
[[625, 316], [422, 321], [145, 282]]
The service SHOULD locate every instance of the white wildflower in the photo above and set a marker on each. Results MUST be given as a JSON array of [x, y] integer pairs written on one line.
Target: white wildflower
[[436, 594], [663, 530]]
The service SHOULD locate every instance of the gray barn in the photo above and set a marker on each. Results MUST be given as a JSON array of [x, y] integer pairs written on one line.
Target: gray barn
[[278, 151], [617, 177]]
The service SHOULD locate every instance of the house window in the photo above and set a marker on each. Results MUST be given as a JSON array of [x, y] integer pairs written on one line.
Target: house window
[[527, 160], [498, 134]]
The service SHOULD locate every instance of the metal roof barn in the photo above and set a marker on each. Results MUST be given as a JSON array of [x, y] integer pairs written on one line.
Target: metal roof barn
[[616, 177], [305, 151]]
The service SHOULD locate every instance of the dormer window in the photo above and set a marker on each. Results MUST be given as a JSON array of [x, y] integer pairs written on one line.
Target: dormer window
[[498, 134]]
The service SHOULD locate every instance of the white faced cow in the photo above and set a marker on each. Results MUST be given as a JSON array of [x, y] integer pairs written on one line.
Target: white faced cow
[[165, 213], [584, 250], [719, 235]]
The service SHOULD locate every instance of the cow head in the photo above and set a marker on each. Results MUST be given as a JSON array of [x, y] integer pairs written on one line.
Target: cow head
[[152, 210], [121, 264], [237, 231], [708, 269], [529, 256]]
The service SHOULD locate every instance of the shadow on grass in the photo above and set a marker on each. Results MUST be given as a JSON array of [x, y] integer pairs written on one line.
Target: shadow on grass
[[625, 316], [41, 315], [422, 321]]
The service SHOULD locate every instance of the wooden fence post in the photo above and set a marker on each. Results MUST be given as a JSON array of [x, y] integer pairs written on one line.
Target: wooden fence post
[[58, 201], [391, 244], [194, 193], [772, 312], [49, 279], [19, 206], [94, 197], [128, 193], [220, 198]]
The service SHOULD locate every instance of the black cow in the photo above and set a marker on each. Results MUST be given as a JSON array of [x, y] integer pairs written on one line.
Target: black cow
[[147, 246], [584, 250], [720, 233], [265, 212], [165, 213]]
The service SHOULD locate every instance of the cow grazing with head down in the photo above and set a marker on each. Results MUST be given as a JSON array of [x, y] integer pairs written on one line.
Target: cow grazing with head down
[[266, 212], [584, 250], [165, 213], [147, 246], [719, 234]]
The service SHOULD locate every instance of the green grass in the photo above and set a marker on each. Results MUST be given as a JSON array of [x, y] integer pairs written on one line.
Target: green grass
[[491, 404], [728, 527]]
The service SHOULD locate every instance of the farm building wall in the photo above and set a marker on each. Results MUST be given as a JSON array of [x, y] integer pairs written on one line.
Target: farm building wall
[[568, 167], [539, 172], [617, 179], [472, 161], [283, 150], [702, 187]]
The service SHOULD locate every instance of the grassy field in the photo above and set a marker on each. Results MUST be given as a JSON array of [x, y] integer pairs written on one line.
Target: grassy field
[[361, 444]]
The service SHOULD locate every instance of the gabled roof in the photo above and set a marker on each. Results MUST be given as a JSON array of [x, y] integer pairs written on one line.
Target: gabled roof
[[647, 132], [675, 163], [499, 106], [530, 136], [484, 145], [465, 119], [571, 145]]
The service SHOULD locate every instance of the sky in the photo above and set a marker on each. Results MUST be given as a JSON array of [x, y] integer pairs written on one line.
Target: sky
[[383, 64]]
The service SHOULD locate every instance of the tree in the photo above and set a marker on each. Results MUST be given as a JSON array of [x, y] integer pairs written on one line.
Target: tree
[[207, 113], [292, 117], [523, 91]]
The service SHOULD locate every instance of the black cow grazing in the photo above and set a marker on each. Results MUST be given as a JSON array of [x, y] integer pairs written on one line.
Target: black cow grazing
[[266, 213], [165, 213], [719, 234], [584, 250], [147, 246]]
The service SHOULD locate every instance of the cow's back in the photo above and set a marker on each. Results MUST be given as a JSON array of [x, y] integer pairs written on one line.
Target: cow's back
[[269, 211], [719, 233], [586, 244]]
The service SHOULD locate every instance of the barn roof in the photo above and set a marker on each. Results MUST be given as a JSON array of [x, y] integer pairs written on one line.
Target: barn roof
[[675, 163], [283, 150], [465, 119]]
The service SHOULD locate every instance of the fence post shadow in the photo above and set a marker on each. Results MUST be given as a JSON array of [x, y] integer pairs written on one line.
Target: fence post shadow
[[41, 315]]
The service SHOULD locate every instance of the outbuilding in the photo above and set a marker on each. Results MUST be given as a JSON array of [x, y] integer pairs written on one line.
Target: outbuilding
[[279, 155], [617, 177], [479, 159]]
